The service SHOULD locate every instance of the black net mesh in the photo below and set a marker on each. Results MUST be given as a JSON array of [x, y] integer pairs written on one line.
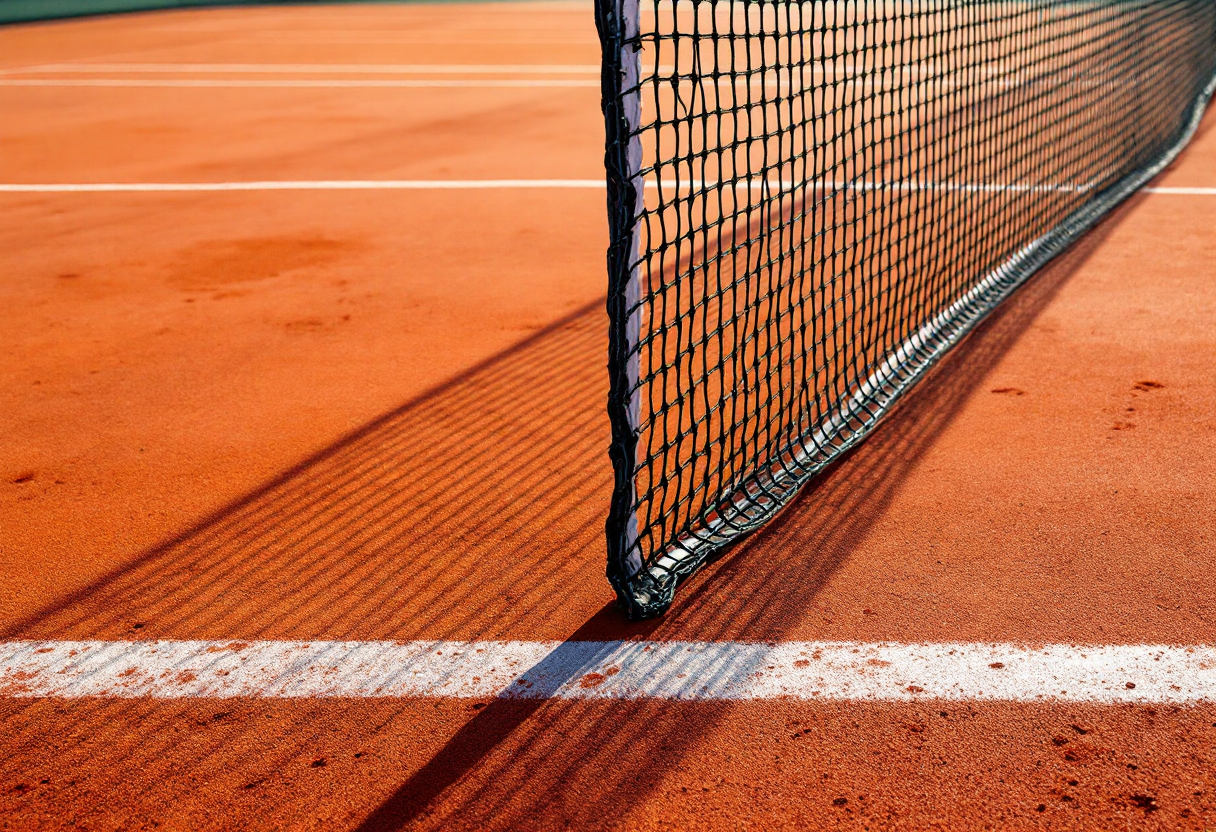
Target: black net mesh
[[810, 202]]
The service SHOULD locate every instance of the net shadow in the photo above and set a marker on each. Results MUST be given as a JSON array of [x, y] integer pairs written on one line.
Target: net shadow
[[532, 764], [461, 514], [468, 513], [465, 515]]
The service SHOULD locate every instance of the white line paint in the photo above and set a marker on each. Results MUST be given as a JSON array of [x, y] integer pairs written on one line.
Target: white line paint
[[817, 68], [319, 83], [309, 69], [311, 185], [662, 72], [576, 184], [1181, 191], [610, 670], [781, 86]]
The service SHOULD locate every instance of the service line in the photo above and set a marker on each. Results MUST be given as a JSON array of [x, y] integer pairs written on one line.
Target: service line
[[287, 83], [307, 185], [773, 187], [806, 670], [311, 69]]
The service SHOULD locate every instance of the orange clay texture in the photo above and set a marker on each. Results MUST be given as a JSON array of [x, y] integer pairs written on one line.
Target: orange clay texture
[[380, 415]]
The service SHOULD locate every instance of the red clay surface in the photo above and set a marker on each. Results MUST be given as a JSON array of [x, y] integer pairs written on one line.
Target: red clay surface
[[379, 415]]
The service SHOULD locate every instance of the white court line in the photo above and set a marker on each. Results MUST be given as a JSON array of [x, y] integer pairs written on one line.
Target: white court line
[[322, 83], [1181, 191], [406, 69], [576, 184], [287, 69], [302, 84], [1137, 673], [311, 185], [817, 68]]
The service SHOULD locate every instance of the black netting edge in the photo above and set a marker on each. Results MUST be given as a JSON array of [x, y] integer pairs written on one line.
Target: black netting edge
[[622, 205]]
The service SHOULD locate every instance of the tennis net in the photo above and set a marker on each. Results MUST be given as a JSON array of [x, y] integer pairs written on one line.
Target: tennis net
[[811, 202]]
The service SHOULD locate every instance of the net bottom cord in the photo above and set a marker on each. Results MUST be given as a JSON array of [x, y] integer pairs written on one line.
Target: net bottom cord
[[609, 670], [757, 499]]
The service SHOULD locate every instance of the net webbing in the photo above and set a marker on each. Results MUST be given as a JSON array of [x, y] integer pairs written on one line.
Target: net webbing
[[810, 202]]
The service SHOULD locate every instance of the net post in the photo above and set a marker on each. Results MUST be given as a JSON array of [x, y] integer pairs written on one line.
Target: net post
[[617, 22]]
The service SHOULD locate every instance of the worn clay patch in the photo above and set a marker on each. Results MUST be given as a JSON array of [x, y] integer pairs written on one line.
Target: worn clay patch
[[215, 263], [592, 680]]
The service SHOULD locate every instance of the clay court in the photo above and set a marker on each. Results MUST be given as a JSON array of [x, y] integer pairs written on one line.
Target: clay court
[[304, 342]]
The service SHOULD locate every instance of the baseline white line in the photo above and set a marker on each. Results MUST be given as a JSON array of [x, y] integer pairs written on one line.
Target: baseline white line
[[591, 184], [288, 83], [878, 672]]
